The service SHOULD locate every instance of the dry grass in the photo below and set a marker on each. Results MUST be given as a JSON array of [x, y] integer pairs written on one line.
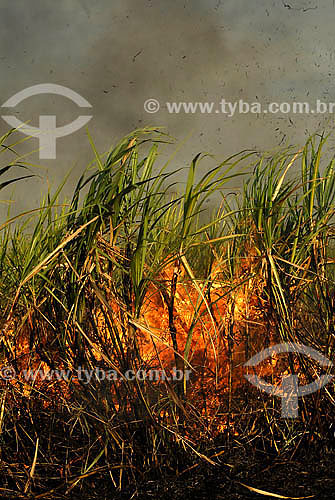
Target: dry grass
[[126, 276]]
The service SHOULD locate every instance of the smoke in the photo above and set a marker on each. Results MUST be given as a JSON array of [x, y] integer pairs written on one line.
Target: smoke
[[119, 54]]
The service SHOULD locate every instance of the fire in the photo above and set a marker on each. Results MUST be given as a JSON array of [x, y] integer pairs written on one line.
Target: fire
[[216, 331]]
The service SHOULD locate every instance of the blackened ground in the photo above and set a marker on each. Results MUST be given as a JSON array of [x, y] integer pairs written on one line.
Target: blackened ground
[[310, 475]]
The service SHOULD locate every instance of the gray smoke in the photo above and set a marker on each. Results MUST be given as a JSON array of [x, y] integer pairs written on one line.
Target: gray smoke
[[117, 54]]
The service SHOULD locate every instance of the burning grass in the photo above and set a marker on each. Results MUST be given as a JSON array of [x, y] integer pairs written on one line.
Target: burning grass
[[127, 277]]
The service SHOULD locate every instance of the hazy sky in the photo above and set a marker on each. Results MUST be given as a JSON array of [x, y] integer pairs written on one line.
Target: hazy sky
[[117, 54]]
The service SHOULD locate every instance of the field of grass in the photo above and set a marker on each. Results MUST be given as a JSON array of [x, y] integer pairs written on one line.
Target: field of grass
[[127, 276]]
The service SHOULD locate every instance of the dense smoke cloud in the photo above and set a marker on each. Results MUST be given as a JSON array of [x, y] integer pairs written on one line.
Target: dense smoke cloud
[[118, 54]]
